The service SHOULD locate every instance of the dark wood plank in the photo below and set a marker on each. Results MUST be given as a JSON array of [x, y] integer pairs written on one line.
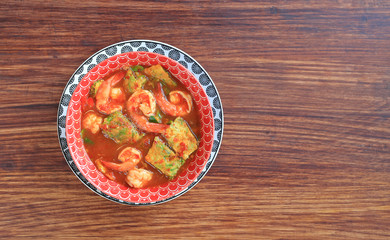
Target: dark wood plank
[[305, 89]]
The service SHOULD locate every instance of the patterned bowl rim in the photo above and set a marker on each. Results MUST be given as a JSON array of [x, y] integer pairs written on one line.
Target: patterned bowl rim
[[142, 46]]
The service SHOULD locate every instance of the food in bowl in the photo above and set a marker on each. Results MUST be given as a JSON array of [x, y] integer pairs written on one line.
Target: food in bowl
[[140, 126]]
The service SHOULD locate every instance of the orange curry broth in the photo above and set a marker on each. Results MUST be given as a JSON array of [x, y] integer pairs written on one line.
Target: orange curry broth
[[106, 149]]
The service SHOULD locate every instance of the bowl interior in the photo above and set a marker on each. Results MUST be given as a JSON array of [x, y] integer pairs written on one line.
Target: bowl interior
[[88, 169]]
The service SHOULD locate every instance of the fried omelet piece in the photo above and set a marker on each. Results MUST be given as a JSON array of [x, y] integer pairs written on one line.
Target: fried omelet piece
[[158, 72], [117, 127], [180, 137], [134, 81], [163, 158]]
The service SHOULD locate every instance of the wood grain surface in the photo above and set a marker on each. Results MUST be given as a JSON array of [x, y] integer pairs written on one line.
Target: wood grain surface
[[305, 87]]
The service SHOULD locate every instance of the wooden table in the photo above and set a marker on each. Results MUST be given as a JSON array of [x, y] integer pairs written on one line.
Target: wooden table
[[305, 87]]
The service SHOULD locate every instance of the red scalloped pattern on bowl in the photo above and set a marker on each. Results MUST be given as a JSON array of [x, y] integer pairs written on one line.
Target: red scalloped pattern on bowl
[[84, 163]]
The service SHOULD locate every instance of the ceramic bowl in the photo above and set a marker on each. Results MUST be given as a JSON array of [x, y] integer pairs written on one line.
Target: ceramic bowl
[[140, 52]]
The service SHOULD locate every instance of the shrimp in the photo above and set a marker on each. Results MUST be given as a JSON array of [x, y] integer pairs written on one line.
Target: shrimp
[[138, 177], [141, 105], [108, 99], [129, 157], [92, 122], [179, 104], [109, 174]]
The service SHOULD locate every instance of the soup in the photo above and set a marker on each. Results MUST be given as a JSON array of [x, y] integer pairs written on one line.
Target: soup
[[140, 126]]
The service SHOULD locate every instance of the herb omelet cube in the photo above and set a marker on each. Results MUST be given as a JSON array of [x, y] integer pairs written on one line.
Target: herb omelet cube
[[158, 72], [163, 158], [134, 81], [117, 127], [180, 137]]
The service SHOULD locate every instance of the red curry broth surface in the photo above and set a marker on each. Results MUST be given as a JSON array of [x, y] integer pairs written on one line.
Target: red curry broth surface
[[106, 149]]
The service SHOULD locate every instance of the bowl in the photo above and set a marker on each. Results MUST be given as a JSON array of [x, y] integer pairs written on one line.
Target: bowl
[[140, 52]]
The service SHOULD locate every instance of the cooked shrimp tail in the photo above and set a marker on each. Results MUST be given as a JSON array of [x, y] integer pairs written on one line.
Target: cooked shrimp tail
[[121, 167], [129, 157], [116, 77], [179, 104], [140, 106], [143, 123], [109, 99]]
